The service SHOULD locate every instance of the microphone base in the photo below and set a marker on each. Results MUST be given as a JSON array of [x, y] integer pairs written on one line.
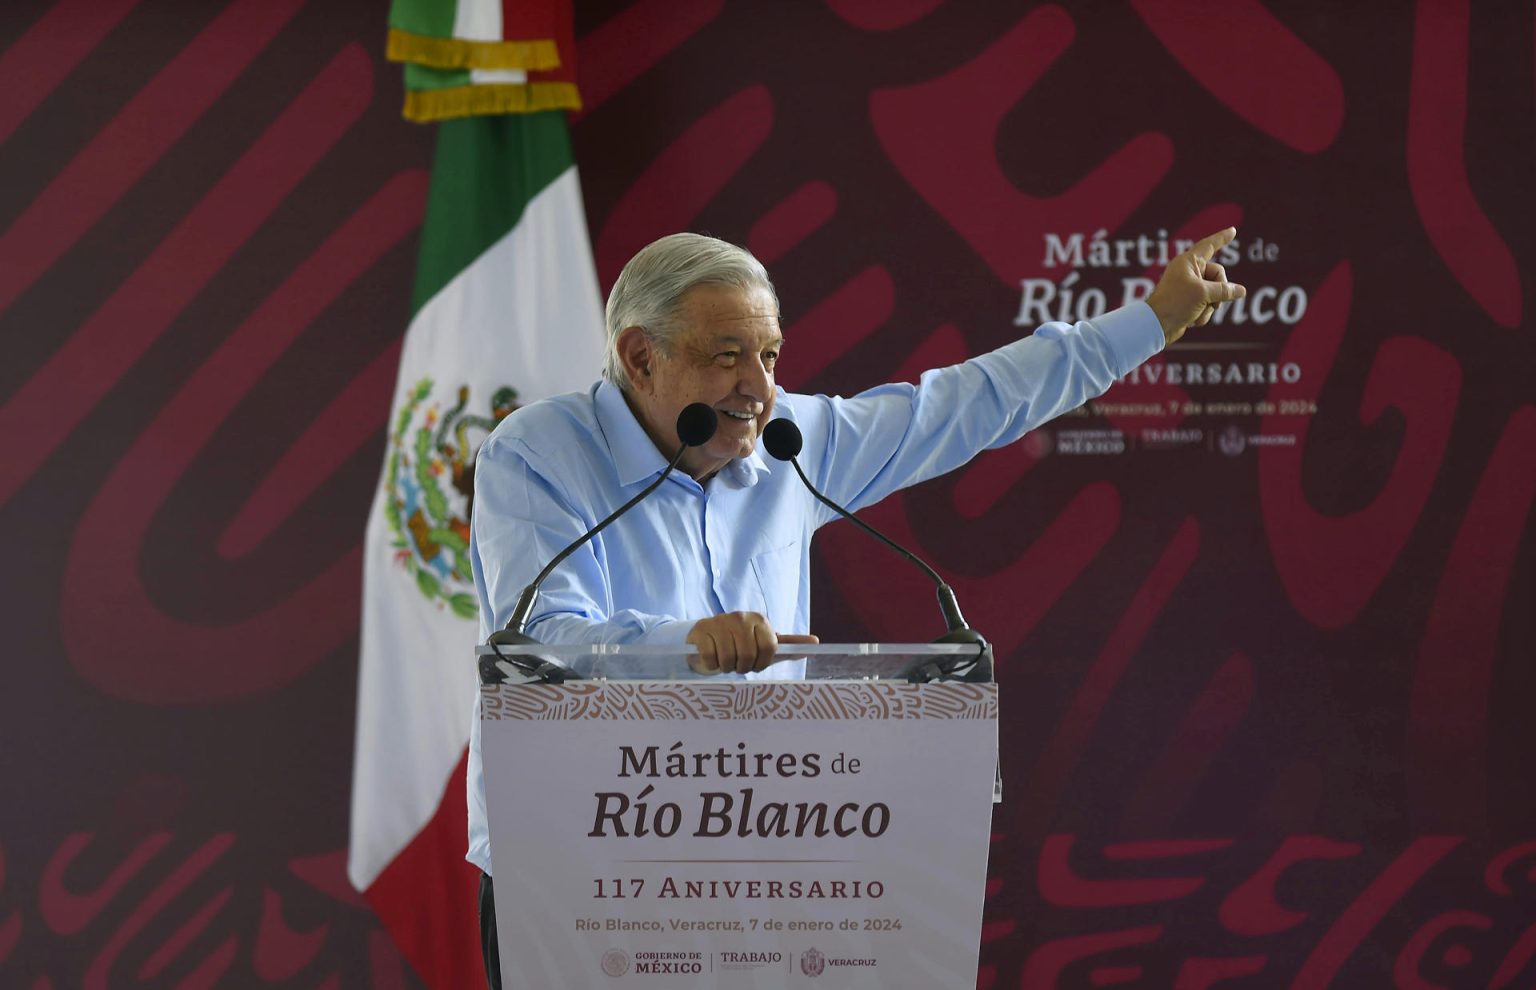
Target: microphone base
[[533, 666], [971, 670]]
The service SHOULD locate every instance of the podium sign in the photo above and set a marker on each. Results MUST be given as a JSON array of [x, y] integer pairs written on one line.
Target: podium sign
[[714, 833]]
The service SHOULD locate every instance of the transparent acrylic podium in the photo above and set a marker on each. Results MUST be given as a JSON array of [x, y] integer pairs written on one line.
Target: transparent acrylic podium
[[830, 824], [918, 662]]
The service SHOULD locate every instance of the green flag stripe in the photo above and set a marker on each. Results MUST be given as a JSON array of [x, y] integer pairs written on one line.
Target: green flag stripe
[[429, 17], [420, 77], [485, 172]]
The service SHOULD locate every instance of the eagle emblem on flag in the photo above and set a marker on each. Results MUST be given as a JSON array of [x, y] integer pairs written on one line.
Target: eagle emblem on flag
[[430, 477]]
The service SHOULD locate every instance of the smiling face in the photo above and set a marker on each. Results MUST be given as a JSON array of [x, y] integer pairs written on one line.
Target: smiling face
[[722, 355]]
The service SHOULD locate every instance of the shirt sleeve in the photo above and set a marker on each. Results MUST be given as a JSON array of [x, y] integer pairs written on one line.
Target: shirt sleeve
[[522, 519], [878, 442]]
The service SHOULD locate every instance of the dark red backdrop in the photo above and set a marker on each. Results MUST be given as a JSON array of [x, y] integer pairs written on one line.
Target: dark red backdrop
[[1268, 670]]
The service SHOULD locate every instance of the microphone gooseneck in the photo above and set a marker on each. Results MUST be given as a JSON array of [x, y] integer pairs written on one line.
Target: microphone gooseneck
[[695, 426], [782, 440]]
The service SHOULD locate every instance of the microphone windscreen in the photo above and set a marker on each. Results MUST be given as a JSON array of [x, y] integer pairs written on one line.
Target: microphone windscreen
[[696, 424], [782, 439]]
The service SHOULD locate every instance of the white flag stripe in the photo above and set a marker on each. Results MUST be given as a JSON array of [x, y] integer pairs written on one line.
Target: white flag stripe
[[482, 77], [477, 20], [526, 313]]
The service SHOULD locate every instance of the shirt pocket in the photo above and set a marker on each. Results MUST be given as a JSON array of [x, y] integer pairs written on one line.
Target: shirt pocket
[[778, 574]]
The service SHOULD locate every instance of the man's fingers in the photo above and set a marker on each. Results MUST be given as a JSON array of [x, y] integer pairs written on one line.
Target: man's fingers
[[1192, 286], [751, 636], [1205, 249], [1223, 291], [785, 638], [1217, 291], [767, 644], [709, 653], [726, 647], [738, 643]]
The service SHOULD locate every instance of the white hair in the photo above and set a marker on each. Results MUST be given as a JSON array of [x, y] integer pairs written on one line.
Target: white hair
[[650, 290]]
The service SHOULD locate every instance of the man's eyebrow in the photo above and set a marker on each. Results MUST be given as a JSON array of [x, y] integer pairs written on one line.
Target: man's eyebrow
[[727, 340]]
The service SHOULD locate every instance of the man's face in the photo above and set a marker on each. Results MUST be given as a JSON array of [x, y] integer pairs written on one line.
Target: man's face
[[723, 356]]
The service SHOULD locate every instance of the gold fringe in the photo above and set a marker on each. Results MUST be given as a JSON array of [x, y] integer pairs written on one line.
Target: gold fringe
[[456, 53], [425, 106]]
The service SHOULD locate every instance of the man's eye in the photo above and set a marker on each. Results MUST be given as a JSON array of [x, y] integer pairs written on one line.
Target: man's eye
[[770, 357], [727, 357]]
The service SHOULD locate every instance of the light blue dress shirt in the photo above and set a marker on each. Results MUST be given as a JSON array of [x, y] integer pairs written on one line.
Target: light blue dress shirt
[[740, 542]]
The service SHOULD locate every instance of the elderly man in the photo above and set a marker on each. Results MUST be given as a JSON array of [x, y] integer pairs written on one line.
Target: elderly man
[[719, 556]]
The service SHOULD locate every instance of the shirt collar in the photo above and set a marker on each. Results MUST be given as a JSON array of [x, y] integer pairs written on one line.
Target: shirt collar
[[744, 472], [636, 458]]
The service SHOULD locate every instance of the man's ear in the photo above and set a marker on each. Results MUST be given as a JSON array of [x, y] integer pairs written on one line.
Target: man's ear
[[636, 353]]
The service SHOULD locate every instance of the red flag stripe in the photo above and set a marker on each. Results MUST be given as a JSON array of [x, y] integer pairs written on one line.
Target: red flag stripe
[[426, 896]]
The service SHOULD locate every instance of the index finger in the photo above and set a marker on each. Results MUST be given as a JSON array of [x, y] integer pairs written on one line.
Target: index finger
[[1205, 249], [788, 639]]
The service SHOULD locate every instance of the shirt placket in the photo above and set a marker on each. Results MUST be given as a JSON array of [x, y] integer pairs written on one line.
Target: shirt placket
[[716, 548]]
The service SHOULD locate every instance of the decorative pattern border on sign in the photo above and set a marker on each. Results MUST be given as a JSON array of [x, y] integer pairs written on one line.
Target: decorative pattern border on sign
[[635, 700]]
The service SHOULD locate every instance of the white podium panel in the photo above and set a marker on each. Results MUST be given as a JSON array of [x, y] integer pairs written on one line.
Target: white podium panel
[[739, 834]]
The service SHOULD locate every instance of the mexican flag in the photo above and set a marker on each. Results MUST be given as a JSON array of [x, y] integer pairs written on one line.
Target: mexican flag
[[505, 311], [470, 57]]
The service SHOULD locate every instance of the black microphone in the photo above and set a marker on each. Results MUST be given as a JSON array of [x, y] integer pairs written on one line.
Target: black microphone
[[695, 425], [782, 440]]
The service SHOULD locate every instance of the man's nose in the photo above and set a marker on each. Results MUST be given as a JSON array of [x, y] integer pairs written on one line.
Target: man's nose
[[755, 381]]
